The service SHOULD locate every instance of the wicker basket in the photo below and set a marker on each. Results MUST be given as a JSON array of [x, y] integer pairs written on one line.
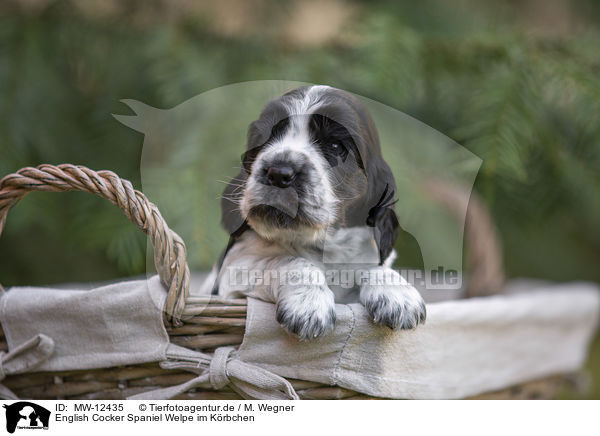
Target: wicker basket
[[204, 323]]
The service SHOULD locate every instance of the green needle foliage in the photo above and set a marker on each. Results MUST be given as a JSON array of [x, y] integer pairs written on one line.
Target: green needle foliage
[[523, 98]]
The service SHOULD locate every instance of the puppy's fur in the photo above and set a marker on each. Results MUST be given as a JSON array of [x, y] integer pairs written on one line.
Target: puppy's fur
[[315, 196]]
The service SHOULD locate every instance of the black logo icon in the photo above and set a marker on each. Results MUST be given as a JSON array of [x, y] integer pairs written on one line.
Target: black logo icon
[[26, 415]]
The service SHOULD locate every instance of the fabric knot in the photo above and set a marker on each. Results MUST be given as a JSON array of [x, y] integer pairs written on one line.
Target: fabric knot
[[221, 369], [24, 358], [218, 368]]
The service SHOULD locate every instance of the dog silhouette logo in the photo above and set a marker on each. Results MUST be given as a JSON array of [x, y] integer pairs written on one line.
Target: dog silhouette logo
[[26, 415]]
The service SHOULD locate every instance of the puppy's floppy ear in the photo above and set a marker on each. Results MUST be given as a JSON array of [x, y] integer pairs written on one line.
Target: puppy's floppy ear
[[231, 218], [381, 214]]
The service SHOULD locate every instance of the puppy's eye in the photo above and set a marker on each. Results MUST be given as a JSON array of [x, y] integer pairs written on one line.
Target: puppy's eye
[[333, 151], [335, 146]]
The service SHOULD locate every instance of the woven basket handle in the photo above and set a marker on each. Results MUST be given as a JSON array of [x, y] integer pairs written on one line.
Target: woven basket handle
[[169, 248]]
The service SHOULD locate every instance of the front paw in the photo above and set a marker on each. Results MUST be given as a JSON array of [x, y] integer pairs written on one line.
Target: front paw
[[307, 311], [395, 306]]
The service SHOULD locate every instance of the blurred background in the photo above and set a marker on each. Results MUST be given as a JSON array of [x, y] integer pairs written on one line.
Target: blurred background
[[515, 82]]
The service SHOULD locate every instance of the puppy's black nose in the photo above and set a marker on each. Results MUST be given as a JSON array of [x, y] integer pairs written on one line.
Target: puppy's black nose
[[280, 176]]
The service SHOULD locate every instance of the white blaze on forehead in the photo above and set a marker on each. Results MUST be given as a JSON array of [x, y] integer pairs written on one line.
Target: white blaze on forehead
[[297, 137], [305, 105], [310, 101]]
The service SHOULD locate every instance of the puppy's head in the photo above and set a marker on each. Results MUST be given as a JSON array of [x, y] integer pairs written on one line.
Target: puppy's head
[[313, 161]]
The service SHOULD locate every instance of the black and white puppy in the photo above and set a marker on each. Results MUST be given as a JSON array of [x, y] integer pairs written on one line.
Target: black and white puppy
[[314, 198]]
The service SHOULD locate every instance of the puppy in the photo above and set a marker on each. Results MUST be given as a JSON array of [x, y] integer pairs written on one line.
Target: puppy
[[314, 199]]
